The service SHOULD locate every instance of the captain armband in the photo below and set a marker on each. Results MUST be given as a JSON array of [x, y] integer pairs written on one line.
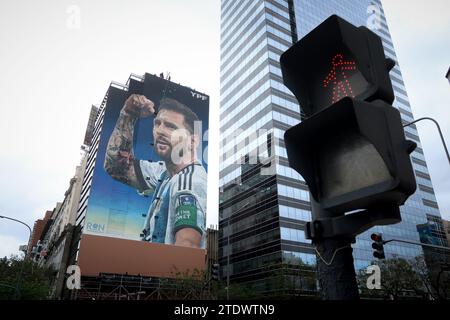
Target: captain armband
[[186, 213]]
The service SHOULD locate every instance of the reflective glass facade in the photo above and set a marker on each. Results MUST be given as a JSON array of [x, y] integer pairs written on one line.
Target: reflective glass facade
[[310, 13], [262, 213]]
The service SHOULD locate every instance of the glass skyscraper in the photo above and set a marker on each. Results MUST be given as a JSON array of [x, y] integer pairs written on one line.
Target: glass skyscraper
[[264, 204]]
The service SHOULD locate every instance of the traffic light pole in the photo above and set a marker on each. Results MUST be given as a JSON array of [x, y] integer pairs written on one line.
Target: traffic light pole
[[333, 234], [19, 276], [440, 133], [418, 244], [336, 272]]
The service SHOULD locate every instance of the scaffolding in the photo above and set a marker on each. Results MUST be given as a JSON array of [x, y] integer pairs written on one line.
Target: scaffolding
[[125, 287]]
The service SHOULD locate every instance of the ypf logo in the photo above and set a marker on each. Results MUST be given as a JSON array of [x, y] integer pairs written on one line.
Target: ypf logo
[[198, 96]]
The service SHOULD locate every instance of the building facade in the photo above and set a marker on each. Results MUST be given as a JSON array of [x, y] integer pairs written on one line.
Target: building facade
[[36, 233], [446, 224], [58, 238], [212, 249], [52, 236], [108, 244], [50, 247], [264, 204]]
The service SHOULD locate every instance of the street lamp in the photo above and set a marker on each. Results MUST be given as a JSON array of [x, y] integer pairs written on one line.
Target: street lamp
[[23, 263]]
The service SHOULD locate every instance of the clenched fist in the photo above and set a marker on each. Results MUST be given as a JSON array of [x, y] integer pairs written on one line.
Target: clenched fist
[[138, 105]]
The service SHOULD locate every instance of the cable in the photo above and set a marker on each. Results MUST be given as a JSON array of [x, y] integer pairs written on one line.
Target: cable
[[334, 254], [320, 256]]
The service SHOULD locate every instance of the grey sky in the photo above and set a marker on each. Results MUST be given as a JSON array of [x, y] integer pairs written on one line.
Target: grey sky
[[51, 74], [421, 32]]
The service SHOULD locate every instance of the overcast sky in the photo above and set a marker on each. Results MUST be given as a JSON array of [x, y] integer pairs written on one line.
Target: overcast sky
[[53, 69]]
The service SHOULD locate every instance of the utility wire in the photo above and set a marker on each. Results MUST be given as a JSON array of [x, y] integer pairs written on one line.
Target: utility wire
[[333, 256]]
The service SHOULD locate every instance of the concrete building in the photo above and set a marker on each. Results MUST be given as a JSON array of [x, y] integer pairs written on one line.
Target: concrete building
[[112, 264], [36, 233], [446, 224], [34, 245], [58, 238], [212, 248], [52, 250]]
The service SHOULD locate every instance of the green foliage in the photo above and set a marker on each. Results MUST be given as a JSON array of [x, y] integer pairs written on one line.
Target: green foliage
[[34, 283], [434, 272], [187, 285], [400, 279], [278, 281], [237, 291]]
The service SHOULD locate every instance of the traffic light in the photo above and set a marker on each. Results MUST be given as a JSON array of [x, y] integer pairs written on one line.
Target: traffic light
[[350, 146], [378, 245], [215, 271], [353, 155], [337, 60]]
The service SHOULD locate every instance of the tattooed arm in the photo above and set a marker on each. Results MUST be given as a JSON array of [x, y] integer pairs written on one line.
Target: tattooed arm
[[119, 157]]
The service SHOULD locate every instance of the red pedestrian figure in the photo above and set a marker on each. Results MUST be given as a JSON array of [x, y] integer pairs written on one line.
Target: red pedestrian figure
[[338, 78]]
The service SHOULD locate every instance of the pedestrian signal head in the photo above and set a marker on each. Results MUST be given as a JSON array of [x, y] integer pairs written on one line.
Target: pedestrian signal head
[[334, 61]]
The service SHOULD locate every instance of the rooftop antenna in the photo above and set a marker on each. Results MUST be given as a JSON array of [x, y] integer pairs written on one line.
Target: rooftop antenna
[[167, 85]]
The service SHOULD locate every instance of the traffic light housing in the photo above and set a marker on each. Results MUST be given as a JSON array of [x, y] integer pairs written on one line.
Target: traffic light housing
[[353, 155], [335, 60], [378, 245], [215, 271], [350, 146]]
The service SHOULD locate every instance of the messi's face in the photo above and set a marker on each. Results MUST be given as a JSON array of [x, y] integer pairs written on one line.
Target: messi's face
[[166, 133]]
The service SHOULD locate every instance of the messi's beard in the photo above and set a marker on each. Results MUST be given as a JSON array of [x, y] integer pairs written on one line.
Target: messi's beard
[[176, 158], [165, 154]]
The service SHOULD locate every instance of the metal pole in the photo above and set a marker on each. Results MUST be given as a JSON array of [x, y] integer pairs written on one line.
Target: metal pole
[[19, 277], [440, 133], [335, 268], [418, 244], [228, 263]]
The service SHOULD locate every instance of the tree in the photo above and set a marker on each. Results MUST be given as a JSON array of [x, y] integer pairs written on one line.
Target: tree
[[35, 281], [237, 291], [287, 279], [433, 270], [292, 278], [399, 279], [186, 285]]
